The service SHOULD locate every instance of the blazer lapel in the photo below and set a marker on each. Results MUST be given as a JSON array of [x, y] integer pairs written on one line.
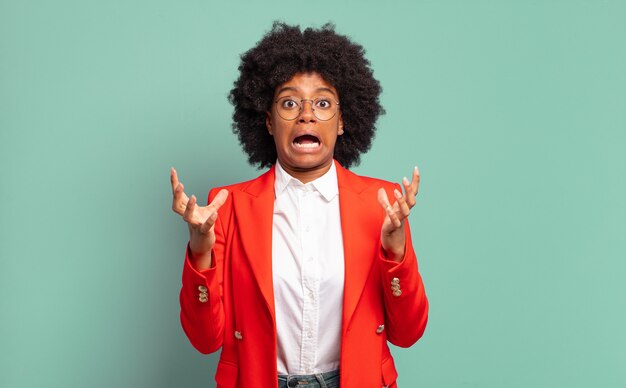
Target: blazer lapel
[[254, 207], [357, 252]]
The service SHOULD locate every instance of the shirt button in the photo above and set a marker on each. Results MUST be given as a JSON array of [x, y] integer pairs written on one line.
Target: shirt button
[[397, 293], [238, 335], [395, 281]]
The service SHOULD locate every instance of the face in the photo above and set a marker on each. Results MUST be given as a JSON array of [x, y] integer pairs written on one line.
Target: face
[[305, 145]]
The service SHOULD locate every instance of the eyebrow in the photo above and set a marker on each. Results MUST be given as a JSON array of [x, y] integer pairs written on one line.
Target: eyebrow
[[292, 89]]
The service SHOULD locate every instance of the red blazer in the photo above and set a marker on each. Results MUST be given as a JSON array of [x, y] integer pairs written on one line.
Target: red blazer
[[232, 304]]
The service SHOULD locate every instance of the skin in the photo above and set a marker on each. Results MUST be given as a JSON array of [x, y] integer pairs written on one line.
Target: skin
[[305, 164]]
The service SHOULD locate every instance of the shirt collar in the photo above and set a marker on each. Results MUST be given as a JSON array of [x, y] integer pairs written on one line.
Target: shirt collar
[[326, 185]]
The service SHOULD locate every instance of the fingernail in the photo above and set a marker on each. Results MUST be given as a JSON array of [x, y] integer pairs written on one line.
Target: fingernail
[[213, 216], [417, 170], [405, 181], [397, 193]]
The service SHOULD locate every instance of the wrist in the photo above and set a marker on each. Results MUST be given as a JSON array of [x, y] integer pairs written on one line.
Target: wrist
[[201, 261], [393, 254]]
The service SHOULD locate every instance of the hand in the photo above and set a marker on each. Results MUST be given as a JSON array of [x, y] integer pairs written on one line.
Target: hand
[[392, 232], [200, 219]]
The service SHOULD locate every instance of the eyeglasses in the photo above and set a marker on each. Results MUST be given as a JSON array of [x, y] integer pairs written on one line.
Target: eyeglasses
[[289, 108]]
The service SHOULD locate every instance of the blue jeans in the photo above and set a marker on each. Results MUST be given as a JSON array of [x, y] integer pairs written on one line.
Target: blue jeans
[[322, 380]]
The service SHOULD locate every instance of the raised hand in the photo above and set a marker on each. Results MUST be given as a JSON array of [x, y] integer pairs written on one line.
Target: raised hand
[[392, 232], [199, 219]]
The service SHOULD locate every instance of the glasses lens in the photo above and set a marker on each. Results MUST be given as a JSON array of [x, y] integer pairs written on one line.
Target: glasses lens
[[324, 108], [289, 108]]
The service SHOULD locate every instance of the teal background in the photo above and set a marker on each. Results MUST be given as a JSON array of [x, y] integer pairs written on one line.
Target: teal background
[[515, 112]]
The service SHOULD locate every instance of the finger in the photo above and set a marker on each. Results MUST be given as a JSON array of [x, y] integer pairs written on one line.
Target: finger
[[411, 188], [415, 182], [208, 224], [391, 211], [383, 200], [408, 190], [180, 200], [403, 207], [393, 217], [173, 178], [219, 200], [189, 211]]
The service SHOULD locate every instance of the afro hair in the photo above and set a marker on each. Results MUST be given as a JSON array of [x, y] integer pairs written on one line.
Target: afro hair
[[286, 51]]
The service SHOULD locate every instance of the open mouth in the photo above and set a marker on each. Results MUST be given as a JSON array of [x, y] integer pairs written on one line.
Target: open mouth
[[306, 141]]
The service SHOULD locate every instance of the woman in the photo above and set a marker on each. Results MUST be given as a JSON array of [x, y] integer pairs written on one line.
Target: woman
[[303, 274]]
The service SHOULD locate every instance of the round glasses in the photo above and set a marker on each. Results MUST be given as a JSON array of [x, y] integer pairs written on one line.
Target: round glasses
[[289, 108]]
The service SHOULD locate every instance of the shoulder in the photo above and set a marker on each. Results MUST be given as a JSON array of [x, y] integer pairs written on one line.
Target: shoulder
[[360, 183], [252, 186]]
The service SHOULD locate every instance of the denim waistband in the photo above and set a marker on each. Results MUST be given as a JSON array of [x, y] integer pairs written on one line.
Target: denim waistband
[[320, 380]]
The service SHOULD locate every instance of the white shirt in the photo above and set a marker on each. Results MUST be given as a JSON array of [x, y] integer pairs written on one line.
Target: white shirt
[[308, 273]]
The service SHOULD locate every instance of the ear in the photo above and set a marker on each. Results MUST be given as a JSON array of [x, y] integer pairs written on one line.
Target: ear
[[268, 123]]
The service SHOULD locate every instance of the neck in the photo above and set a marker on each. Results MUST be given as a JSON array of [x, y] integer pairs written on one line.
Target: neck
[[306, 175]]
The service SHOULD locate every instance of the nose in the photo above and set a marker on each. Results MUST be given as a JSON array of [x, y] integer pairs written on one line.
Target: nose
[[306, 112]]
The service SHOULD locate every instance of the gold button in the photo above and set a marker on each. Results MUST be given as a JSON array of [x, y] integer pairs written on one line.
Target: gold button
[[203, 298], [238, 335], [395, 287], [380, 329], [202, 288], [395, 281], [397, 293]]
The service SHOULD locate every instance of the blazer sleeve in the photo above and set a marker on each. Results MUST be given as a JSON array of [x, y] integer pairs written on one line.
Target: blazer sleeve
[[201, 295], [406, 305]]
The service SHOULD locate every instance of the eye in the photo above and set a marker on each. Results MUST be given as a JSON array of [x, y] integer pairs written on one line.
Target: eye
[[323, 103], [289, 104]]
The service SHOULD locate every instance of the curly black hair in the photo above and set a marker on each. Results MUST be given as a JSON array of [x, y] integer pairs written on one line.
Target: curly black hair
[[285, 51]]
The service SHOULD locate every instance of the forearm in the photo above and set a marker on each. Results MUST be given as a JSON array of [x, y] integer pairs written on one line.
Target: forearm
[[406, 305], [202, 312]]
